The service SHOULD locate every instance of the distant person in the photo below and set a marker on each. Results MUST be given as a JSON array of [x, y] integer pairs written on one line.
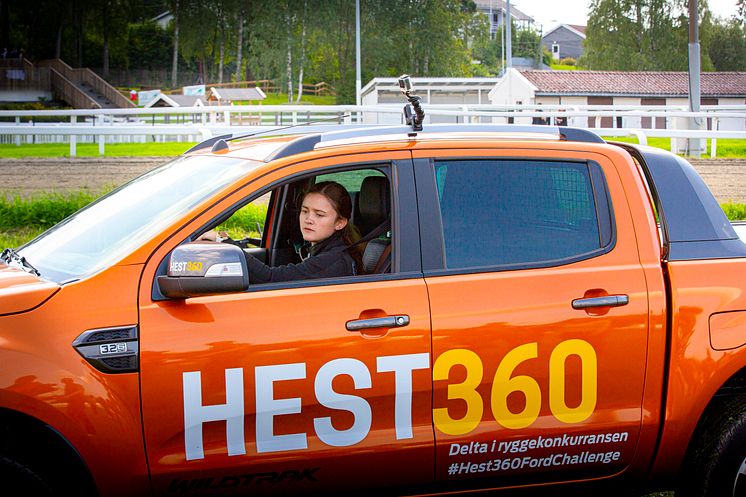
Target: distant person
[[539, 119]]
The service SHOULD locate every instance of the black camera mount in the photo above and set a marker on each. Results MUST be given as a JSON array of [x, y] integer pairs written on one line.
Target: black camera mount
[[413, 112]]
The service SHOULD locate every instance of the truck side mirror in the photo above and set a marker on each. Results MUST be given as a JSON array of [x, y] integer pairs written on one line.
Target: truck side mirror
[[204, 268]]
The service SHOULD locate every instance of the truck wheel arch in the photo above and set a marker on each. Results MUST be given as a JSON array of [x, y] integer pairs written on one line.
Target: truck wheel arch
[[717, 449], [37, 448]]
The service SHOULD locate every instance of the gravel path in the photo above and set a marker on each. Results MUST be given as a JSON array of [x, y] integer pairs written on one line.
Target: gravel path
[[59, 174], [725, 177]]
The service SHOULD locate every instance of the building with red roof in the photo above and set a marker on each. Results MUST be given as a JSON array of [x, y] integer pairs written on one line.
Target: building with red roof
[[618, 88]]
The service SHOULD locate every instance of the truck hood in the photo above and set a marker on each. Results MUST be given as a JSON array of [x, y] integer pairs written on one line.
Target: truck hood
[[21, 291]]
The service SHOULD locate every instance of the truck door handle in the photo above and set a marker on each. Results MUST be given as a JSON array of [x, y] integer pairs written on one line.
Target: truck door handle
[[383, 322], [605, 301]]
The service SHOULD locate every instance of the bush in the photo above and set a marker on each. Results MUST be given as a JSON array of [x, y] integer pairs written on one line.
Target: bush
[[735, 212], [568, 61], [42, 210]]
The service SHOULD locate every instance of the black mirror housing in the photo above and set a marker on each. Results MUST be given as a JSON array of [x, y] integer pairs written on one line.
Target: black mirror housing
[[204, 268]]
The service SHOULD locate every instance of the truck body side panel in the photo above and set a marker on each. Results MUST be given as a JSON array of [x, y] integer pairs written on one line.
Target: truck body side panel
[[44, 377], [700, 289]]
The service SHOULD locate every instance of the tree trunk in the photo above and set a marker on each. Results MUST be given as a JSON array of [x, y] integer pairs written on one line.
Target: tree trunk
[[239, 47], [77, 36], [302, 60], [105, 25], [222, 56], [221, 43], [175, 60], [289, 67], [58, 43], [79, 51]]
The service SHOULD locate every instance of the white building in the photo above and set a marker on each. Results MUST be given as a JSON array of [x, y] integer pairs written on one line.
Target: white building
[[433, 91], [613, 88]]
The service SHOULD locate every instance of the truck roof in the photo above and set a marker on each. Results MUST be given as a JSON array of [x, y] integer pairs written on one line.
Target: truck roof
[[284, 142]]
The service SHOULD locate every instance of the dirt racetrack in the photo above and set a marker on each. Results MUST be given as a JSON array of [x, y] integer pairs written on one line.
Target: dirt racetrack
[[725, 177], [30, 175]]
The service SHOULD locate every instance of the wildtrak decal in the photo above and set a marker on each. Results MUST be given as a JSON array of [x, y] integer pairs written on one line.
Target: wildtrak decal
[[180, 486]]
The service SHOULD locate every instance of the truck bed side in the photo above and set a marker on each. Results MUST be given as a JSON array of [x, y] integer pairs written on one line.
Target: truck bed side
[[704, 262]]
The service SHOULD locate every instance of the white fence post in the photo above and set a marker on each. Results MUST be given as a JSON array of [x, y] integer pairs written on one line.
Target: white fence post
[[18, 137], [714, 141], [73, 138], [101, 138], [642, 138]]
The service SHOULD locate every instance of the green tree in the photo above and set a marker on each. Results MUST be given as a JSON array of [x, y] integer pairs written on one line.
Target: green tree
[[525, 43], [642, 35], [420, 37], [727, 48], [148, 46]]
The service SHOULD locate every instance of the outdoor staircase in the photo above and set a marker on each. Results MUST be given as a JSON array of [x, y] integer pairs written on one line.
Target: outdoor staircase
[[103, 102], [82, 88]]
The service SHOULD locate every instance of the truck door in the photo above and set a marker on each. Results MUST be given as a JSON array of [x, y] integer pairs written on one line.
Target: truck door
[[272, 391], [539, 314]]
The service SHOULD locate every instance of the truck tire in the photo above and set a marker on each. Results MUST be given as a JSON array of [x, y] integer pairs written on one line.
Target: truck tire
[[19, 479], [716, 462]]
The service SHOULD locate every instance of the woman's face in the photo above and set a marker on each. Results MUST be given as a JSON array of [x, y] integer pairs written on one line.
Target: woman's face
[[318, 218]]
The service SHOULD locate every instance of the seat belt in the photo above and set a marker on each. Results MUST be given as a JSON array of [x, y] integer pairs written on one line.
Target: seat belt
[[374, 233], [382, 260]]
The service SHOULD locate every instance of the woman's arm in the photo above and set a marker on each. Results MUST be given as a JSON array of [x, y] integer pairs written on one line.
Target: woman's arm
[[327, 265]]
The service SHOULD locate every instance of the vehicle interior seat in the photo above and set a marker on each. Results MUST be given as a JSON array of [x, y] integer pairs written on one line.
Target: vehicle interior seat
[[374, 204]]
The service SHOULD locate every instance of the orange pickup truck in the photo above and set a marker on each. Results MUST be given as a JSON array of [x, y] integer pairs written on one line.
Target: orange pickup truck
[[536, 307]]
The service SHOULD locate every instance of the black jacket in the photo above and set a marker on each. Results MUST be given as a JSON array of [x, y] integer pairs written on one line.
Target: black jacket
[[328, 259]]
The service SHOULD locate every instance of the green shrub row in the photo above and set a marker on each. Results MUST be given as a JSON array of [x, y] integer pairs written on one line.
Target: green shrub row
[[46, 209], [41, 210], [735, 212]]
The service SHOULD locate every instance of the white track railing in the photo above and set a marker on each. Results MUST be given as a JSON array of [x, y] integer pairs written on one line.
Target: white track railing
[[198, 123]]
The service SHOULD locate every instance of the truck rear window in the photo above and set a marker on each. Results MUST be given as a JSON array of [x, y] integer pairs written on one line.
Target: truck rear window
[[520, 213]]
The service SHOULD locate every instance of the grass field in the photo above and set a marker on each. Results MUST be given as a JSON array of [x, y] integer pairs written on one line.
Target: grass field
[[726, 148], [565, 67], [282, 98], [152, 149]]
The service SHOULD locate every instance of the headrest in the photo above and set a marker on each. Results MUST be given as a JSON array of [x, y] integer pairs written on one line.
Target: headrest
[[375, 200]]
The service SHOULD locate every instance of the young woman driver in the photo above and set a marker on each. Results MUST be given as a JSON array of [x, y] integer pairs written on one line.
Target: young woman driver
[[325, 224]]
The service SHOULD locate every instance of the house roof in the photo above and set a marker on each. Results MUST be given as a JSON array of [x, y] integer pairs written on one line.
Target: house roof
[[485, 5], [713, 84], [573, 28], [163, 100], [232, 94]]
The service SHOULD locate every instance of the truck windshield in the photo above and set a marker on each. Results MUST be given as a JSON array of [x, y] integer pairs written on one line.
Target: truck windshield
[[104, 232]]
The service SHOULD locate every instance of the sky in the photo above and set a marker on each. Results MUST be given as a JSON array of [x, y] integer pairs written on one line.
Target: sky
[[553, 12]]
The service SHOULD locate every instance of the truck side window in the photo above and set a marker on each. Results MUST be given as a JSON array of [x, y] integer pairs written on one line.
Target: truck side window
[[520, 213], [268, 227]]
